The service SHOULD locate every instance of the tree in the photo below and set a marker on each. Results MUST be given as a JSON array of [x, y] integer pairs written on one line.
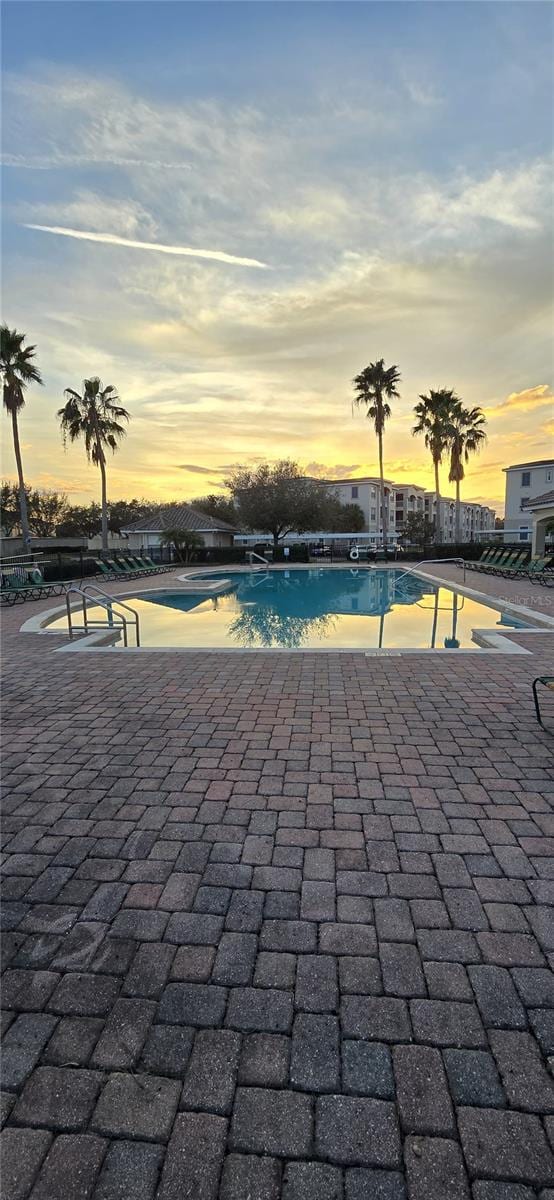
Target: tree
[[9, 507], [184, 542], [433, 413], [123, 512], [342, 518], [17, 371], [466, 436], [81, 520], [418, 529], [278, 499], [46, 511], [221, 507], [96, 417], [373, 388]]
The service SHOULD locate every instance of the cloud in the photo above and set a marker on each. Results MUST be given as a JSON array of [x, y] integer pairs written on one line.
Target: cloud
[[516, 198], [44, 162], [526, 401], [88, 209], [340, 471], [444, 270], [196, 470], [111, 239]]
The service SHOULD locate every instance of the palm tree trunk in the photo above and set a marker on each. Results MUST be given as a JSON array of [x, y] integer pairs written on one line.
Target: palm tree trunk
[[435, 620], [22, 497], [438, 528], [458, 514], [384, 511], [102, 465]]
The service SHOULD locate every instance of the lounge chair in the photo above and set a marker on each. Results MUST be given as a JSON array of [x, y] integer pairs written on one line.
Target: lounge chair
[[540, 569], [105, 569], [485, 562], [485, 556], [546, 681], [529, 569], [494, 561], [517, 556], [130, 564], [27, 584], [515, 565], [159, 566], [117, 569], [498, 563], [141, 565]]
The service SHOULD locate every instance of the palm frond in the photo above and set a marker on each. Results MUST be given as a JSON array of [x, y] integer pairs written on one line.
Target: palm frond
[[17, 370]]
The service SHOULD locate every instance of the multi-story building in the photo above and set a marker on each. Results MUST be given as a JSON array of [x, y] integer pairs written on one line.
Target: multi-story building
[[366, 492], [410, 500], [404, 499], [475, 519], [524, 482]]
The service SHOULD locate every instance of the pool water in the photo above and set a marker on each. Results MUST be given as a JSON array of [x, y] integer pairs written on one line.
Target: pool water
[[315, 609]]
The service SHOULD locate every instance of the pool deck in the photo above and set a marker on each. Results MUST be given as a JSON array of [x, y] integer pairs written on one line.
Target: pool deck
[[277, 926]]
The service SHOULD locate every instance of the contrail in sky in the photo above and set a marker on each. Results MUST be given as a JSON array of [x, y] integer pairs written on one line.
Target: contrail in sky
[[111, 239]]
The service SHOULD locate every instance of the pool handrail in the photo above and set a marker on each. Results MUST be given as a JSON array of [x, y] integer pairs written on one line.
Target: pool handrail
[[422, 561], [250, 554], [103, 600]]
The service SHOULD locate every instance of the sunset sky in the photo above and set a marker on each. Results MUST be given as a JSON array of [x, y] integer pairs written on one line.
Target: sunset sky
[[331, 184]]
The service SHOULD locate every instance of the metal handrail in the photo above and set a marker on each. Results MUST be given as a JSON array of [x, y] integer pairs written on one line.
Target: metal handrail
[[106, 596], [102, 600], [252, 554], [410, 570]]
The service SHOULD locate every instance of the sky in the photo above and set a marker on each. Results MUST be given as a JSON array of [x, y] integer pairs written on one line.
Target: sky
[[227, 210]]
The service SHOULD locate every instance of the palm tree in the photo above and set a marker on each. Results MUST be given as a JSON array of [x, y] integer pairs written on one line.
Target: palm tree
[[96, 417], [433, 415], [17, 371], [466, 437], [373, 387], [184, 542]]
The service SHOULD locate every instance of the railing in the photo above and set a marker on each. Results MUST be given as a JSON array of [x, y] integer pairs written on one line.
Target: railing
[[250, 554], [410, 570], [100, 599]]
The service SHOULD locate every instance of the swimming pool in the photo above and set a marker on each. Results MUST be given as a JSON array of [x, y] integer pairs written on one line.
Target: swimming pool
[[314, 609]]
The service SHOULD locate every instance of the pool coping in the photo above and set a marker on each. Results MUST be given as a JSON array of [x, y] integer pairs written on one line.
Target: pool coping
[[489, 640]]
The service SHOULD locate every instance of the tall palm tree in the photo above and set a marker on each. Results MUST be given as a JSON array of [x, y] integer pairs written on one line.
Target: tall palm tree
[[373, 388], [17, 371], [466, 437], [96, 417], [433, 413]]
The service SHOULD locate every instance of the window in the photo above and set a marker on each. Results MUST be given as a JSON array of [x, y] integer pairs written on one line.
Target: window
[[524, 535], [354, 491], [373, 514], [548, 476], [526, 479], [524, 500]]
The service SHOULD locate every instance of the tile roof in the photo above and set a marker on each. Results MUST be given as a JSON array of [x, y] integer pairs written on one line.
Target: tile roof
[[539, 462], [178, 516], [535, 501]]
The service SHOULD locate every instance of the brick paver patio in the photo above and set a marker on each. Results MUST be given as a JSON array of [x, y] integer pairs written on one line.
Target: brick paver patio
[[276, 926]]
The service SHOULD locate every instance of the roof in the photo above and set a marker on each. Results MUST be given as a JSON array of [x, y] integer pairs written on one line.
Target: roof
[[541, 462], [357, 479], [409, 487], [178, 516], [546, 500]]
